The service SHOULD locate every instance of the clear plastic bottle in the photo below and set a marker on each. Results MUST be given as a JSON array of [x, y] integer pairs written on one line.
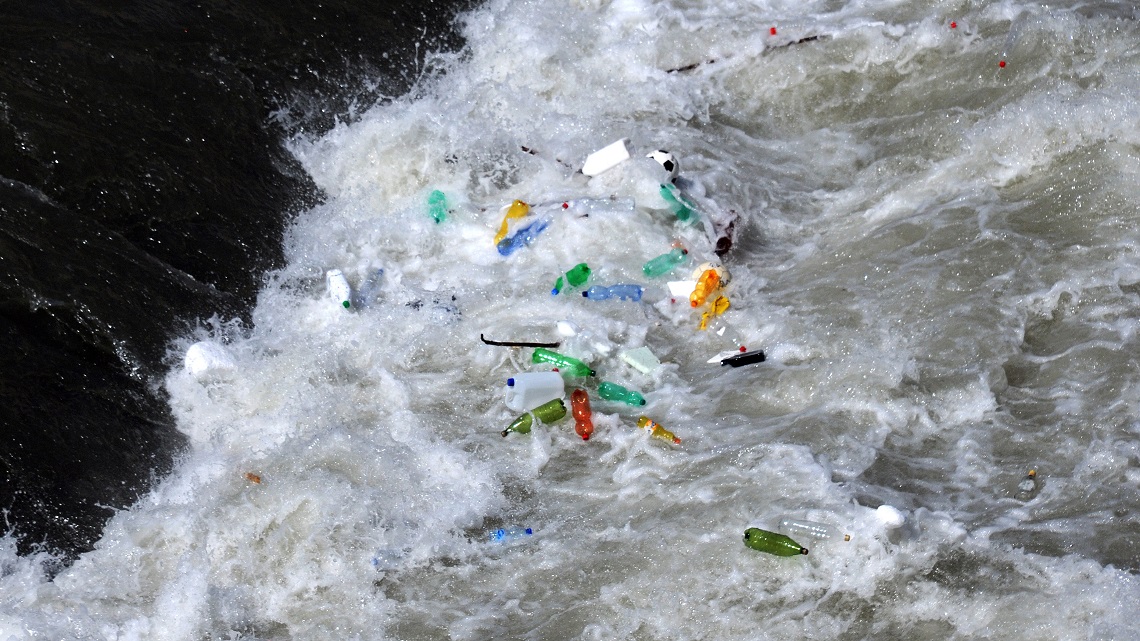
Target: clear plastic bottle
[[810, 529], [566, 364], [621, 292], [665, 263], [580, 408], [614, 392], [772, 542], [575, 277]]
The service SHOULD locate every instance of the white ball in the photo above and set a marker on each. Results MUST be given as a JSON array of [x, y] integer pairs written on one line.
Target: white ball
[[666, 160]]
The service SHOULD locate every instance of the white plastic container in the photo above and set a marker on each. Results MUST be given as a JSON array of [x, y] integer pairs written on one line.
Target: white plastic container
[[206, 360], [338, 288], [605, 158], [528, 390]]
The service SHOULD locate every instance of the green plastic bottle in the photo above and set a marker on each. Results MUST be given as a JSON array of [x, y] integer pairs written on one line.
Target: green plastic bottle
[[548, 412], [566, 364], [772, 543], [686, 212], [665, 263], [437, 206], [575, 278], [614, 392]]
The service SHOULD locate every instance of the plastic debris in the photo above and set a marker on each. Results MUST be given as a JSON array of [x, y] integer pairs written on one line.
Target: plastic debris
[[575, 277], [747, 358], [517, 209], [205, 359], [706, 285], [614, 392], [1027, 488], [437, 206], [682, 208], [253, 478], [665, 263], [503, 535], [772, 542], [547, 413], [641, 359], [528, 390], [810, 529], [681, 288], [338, 288], [580, 408], [566, 364], [621, 292], [656, 431], [523, 237], [605, 158], [666, 160], [716, 308], [890, 517], [519, 343]]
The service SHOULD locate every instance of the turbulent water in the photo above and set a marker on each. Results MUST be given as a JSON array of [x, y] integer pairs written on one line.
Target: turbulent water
[[937, 253]]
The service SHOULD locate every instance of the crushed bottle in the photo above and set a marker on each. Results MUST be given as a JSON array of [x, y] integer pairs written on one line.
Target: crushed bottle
[[580, 408], [665, 263], [575, 277], [678, 204], [547, 413], [566, 364], [621, 292], [523, 237], [614, 392], [772, 542], [437, 206], [1028, 487], [656, 431], [719, 306]]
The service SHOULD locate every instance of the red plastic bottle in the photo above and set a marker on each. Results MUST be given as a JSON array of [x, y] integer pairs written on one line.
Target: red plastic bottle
[[580, 406]]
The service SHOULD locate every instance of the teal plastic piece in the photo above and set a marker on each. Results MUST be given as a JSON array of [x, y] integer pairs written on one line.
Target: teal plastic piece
[[685, 211], [665, 263], [437, 206], [614, 392]]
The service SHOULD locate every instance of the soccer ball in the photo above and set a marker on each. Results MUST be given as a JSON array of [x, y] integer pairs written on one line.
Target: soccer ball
[[667, 160]]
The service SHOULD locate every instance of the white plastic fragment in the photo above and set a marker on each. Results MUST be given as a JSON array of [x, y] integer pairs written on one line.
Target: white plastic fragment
[[204, 359], [681, 288], [605, 158], [641, 359], [338, 288], [890, 517], [723, 355], [568, 328]]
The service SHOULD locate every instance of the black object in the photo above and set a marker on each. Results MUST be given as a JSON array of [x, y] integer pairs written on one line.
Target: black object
[[747, 358], [517, 343]]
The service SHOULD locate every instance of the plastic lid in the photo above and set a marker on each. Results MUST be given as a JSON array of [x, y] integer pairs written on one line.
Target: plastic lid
[[510, 382]]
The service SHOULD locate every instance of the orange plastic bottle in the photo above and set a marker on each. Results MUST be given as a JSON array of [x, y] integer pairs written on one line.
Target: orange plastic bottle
[[707, 284], [580, 406]]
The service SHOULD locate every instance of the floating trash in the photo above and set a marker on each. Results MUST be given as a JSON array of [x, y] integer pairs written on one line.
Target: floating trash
[[772, 542]]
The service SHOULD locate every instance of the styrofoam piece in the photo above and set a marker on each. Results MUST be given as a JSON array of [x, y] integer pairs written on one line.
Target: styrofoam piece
[[641, 359], [605, 158], [681, 288], [568, 328], [528, 390], [890, 517], [204, 359]]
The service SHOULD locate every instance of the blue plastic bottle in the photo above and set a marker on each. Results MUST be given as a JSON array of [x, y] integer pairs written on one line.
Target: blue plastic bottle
[[524, 237], [622, 292]]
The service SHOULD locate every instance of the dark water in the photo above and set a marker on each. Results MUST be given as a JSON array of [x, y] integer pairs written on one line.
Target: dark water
[[144, 188]]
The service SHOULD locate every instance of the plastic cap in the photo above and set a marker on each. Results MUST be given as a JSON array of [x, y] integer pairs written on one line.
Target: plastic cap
[[510, 382]]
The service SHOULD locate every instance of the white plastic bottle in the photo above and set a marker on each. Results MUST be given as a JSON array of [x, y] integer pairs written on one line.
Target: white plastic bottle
[[528, 390], [338, 288]]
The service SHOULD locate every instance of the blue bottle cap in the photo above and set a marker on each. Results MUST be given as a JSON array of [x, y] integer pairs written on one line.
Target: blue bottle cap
[[510, 382]]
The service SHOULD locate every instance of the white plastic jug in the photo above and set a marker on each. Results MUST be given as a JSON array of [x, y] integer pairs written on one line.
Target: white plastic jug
[[528, 390]]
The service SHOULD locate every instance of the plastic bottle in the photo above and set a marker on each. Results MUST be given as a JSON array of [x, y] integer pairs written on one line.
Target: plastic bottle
[[615, 392], [548, 412], [580, 408], [772, 542], [1027, 488], [566, 364], [528, 390], [810, 529], [706, 284], [665, 263], [656, 431], [523, 237], [518, 209], [678, 204], [622, 292], [502, 535], [338, 288], [747, 358], [577, 276], [437, 206]]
